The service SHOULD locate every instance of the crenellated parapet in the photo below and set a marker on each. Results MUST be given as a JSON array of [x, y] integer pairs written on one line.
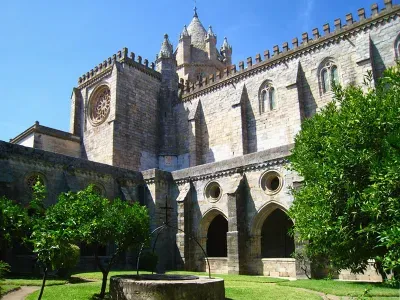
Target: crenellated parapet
[[305, 45], [121, 56]]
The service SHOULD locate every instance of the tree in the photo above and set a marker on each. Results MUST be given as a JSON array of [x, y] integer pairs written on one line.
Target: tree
[[14, 222], [99, 222], [51, 236], [4, 268], [348, 208]]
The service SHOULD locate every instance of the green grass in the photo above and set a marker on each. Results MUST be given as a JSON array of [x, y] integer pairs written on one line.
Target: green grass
[[31, 282], [6, 288], [237, 287], [343, 288], [79, 291]]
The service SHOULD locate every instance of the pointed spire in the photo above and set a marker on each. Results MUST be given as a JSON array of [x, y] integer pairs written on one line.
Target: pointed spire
[[210, 32], [225, 45], [166, 50], [184, 32]]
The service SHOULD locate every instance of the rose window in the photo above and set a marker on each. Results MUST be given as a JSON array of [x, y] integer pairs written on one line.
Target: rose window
[[100, 105]]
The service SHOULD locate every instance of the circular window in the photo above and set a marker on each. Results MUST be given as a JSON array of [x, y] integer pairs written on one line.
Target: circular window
[[271, 182], [99, 105], [31, 180], [213, 191]]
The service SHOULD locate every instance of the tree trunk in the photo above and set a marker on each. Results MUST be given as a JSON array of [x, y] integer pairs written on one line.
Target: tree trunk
[[381, 271], [43, 283], [104, 285]]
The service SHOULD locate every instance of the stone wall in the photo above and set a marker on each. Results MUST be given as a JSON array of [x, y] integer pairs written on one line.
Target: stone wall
[[226, 106], [60, 174], [135, 136], [244, 202], [279, 267]]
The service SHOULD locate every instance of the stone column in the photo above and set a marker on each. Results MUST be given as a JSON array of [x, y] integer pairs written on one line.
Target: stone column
[[232, 235], [255, 262], [158, 184], [180, 235], [192, 143]]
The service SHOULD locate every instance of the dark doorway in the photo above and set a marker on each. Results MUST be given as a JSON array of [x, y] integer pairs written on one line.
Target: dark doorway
[[275, 239], [216, 237]]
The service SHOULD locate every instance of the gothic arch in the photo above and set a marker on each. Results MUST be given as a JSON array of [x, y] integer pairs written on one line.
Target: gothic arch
[[267, 97], [262, 215], [207, 218], [328, 71]]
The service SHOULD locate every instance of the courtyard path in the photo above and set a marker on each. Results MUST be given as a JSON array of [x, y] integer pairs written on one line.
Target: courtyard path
[[21, 293]]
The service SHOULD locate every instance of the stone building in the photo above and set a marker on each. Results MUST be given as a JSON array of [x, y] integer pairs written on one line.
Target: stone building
[[211, 138]]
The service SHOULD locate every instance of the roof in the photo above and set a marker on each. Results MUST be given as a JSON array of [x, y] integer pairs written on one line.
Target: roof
[[197, 32]]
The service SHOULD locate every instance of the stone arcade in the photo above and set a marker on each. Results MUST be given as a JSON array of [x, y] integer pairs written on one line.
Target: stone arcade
[[211, 137]]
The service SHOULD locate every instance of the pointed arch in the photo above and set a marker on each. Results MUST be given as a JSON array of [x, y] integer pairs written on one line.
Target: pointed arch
[[207, 218], [262, 214], [328, 73], [267, 97]]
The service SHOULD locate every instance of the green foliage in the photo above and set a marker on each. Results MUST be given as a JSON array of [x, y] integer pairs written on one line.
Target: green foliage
[[66, 259], [87, 217], [4, 268], [14, 222], [349, 156]]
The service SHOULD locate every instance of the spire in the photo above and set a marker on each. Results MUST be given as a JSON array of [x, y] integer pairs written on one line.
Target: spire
[[197, 32], [225, 45], [210, 32], [166, 50], [184, 32]]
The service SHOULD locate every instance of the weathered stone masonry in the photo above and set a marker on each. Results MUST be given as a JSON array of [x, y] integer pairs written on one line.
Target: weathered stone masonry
[[210, 138]]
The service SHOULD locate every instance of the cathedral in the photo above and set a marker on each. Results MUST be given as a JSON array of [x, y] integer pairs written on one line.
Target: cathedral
[[207, 138]]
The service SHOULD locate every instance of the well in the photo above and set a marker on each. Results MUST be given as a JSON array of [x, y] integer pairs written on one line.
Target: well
[[166, 287]]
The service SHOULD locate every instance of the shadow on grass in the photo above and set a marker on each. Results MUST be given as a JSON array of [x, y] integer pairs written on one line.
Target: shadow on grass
[[97, 297], [75, 280]]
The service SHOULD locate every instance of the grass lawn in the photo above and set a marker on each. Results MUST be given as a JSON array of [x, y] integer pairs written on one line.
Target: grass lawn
[[31, 281], [343, 288], [5, 288], [237, 287]]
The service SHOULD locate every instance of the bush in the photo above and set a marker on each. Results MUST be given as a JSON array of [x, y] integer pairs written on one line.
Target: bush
[[4, 268], [66, 260]]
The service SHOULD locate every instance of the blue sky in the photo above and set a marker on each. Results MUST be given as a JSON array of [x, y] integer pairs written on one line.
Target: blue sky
[[46, 45]]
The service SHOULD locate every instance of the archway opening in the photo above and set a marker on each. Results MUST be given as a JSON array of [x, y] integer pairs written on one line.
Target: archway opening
[[275, 239], [216, 237]]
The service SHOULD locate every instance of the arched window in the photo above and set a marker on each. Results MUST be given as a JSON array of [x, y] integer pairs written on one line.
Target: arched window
[[272, 103], [267, 97], [216, 237], [263, 101], [276, 242], [329, 74], [325, 80]]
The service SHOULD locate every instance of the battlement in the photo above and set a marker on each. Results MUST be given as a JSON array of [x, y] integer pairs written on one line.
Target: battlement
[[278, 55], [121, 57]]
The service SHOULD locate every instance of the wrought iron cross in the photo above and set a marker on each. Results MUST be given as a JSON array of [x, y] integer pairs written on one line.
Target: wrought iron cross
[[195, 8], [166, 207]]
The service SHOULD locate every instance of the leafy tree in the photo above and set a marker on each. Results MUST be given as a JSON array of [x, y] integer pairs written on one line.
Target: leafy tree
[[51, 238], [14, 222], [99, 222], [349, 156]]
